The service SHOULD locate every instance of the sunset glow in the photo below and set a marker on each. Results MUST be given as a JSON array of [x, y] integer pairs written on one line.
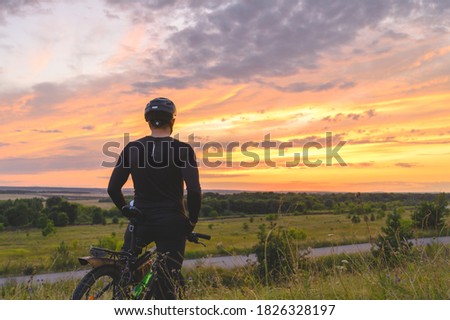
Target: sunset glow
[[75, 75]]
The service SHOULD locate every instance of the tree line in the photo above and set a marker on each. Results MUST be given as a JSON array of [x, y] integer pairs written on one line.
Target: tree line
[[216, 204], [429, 209], [49, 213]]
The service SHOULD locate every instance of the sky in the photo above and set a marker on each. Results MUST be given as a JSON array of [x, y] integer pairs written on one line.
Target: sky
[[372, 76]]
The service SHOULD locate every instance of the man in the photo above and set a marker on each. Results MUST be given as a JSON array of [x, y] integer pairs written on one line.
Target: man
[[159, 166]]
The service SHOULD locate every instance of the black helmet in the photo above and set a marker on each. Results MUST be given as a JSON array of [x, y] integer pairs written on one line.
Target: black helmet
[[161, 109]]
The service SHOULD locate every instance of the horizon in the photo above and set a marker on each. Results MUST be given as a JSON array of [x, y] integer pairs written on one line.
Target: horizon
[[76, 77], [24, 188]]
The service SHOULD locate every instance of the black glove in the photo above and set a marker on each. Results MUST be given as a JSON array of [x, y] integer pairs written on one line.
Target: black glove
[[188, 226], [132, 212]]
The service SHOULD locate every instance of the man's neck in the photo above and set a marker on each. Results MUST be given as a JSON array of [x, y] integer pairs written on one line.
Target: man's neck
[[160, 133]]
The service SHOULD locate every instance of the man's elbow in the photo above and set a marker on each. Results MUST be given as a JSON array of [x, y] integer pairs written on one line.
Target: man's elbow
[[112, 191]]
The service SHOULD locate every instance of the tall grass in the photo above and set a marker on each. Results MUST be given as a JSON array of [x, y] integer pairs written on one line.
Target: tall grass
[[422, 275]]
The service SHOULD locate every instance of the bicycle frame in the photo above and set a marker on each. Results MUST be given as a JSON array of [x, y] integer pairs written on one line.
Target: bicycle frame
[[134, 272]]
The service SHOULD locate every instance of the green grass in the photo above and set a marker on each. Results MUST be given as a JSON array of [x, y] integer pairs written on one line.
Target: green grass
[[24, 249], [423, 275]]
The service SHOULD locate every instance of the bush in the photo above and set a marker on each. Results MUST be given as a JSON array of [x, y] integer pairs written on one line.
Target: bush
[[355, 219], [110, 242], [98, 216], [278, 253], [61, 258], [272, 217], [431, 215], [393, 243], [49, 228]]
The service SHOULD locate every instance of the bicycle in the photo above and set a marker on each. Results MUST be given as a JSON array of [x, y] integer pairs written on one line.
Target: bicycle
[[123, 275]]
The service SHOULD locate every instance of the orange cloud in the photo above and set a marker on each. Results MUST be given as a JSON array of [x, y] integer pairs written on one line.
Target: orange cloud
[[431, 55]]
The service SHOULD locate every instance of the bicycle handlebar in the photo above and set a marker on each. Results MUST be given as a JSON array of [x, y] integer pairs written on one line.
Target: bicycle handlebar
[[194, 236], [202, 236]]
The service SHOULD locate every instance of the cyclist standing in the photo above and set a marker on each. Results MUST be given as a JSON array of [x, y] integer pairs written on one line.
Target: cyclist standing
[[159, 166]]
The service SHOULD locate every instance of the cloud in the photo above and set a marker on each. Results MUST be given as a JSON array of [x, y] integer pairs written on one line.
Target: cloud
[[48, 95], [17, 7], [405, 165], [432, 55], [362, 164], [47, 131], [304, 86], [352, 116], [222, 176], [143, 4], [373, 140], [299, 142], [247, 40], [88, 127], [11, 166], [240, 41], [3, 144]]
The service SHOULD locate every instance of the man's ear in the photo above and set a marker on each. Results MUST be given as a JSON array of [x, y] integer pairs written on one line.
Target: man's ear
[[171, 125]]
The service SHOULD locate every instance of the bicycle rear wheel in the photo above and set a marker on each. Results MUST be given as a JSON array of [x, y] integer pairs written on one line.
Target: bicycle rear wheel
[[101, 283]]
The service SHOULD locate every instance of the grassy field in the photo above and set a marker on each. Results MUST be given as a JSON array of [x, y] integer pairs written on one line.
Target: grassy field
[[423, 275], [25, 251]]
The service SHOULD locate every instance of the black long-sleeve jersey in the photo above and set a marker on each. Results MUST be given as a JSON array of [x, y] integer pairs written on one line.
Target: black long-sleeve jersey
[[159, 168]]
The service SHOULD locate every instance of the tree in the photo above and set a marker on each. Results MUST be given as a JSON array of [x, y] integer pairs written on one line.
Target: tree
[[70, 209], [53, 201], [18, 215], [61, 219]]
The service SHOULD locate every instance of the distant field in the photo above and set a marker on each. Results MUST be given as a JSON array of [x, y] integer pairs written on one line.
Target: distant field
[[94, 202], [13, 196], [24, 248]]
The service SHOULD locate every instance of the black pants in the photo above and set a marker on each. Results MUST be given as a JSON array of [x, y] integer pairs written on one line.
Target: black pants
[[167, 230]]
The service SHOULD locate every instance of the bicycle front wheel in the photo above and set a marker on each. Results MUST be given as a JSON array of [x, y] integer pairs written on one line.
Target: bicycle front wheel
[[101, 283]]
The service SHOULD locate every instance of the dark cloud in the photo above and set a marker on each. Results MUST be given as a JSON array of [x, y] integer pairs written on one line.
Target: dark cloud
[[362, 164], [142, 4], [3, 144], [247, 40], [221, 176], [373, 140], [395, 35], [47, 131], [48, 95], [304, 86], [111, 15], [352, 116], [240, 41], [336, 138], [13, 166], [17, 7], [88, 127]]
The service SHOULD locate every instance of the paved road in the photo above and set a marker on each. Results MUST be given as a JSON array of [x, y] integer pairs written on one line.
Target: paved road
[[228, 262]]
